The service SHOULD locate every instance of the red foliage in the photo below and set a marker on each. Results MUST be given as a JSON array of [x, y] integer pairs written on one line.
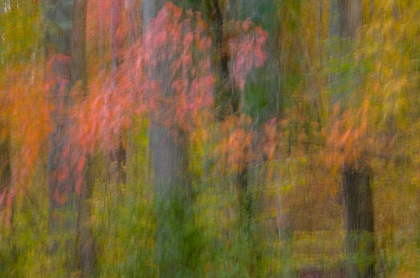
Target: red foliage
[[246, 49], [172, 73], [234, 148], [166, 75]]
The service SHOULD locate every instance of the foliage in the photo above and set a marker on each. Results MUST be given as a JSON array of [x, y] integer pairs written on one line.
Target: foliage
[[267, 179]]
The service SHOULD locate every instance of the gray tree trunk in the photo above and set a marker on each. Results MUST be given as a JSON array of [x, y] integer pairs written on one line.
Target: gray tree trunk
[[172, 183]]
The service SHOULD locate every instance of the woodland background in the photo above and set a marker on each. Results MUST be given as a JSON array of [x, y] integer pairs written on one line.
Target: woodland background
[[213, 138]]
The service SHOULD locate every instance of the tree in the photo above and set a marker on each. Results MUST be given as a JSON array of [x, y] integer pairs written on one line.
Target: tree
[[85, 240], [5, 171], [177, 66], [118, 154], [240, 47], [66, 69], [355, 170], [168, 139], [58, 24]]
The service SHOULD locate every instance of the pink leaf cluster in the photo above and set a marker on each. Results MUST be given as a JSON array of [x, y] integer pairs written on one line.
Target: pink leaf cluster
[[173, 67], [246, 49], [166, 74]]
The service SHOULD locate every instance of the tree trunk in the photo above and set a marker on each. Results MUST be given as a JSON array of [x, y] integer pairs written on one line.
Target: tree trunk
[[57, 15], [227, 99], [86, 253], [5, 174], [172, 184], [172, 199], [65, 36], [118, 154], [228, 102], [86, 249], [360, 231], [350, 18], [356, 176]]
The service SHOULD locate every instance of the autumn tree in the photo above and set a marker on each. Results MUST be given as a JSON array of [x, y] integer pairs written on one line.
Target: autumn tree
[[356, 172], [173, 46], [240, 46]]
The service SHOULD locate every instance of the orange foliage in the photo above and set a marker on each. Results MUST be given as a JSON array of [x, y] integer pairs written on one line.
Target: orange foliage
[[236, 142], [348, 137], [30, 113]]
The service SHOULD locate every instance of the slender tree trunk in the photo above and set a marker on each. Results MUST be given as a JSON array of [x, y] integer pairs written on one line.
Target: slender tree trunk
[[5, 160], [228, 102], [57, 16], [356, 175], [333, 47], [85, 240], [5, 174], [172, 183], [65, 36], [78, 45], [227, 99], [117, 155]]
